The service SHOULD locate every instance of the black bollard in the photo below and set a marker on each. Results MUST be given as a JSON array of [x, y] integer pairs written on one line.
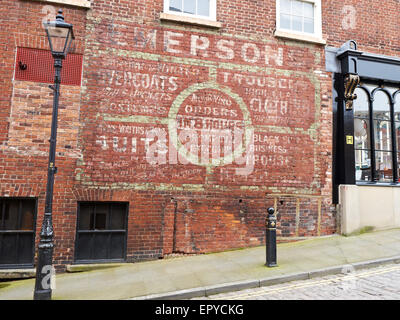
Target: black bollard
[[270, 238]]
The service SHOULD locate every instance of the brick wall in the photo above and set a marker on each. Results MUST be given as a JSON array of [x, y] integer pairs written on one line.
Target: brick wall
[[150, 88]]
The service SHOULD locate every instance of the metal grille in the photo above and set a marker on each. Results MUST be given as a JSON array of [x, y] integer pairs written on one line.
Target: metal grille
[[38, 65]]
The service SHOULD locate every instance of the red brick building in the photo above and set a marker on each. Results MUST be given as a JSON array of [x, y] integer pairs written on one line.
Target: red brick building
[[181, 122]]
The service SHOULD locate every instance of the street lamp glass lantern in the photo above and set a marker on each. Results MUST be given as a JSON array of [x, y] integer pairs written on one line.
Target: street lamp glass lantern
[[60, 35]]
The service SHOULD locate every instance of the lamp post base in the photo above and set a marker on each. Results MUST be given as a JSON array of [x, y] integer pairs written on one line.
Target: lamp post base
[[271, 265], [44, 268], [42, 295]]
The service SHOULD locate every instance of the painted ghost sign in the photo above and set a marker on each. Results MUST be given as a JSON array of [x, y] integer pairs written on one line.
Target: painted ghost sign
[[176, 106]]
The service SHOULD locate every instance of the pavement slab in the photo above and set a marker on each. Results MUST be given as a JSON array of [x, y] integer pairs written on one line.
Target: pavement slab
[[194, 274]]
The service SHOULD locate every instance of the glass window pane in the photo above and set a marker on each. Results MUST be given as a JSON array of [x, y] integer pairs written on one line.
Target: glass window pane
[[203, 8], [11, 215], [19, 214], [392, 90], [2, 203], [397, 126], [175, 5], [27, 215], [398, 161], [361, 104], [381, 106], [101, 216], [370, 87], [384, 168], [285, 6], [361, 134], [397, 107], [308, 25], [285, 21], [383, 135], [9, 249], [96, 216], [189, 6], [118, 217], [297, 23], [363, 165], [58, 37], [101, 221], [297, 8], [309, 10], [86, 217]]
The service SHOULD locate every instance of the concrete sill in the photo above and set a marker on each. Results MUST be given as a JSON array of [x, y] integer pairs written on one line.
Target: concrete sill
[[190, 20], [91, 267], [17, 273], [74, 3], [299, 37]]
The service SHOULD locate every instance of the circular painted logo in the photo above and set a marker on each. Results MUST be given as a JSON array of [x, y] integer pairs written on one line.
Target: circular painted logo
[[209, 125]]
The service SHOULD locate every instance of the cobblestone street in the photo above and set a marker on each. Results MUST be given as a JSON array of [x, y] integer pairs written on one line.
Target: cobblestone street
[[382, 283]]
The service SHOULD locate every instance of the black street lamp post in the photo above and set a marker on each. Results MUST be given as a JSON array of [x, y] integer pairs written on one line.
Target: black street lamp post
[[60, 35]]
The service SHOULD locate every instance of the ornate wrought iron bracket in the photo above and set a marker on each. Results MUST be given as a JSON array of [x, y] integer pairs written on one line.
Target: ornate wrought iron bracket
[[351, 81]]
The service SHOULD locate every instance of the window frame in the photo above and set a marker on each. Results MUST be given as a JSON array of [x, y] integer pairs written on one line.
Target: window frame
[[19, 231], [288, 33], [395, 152], [212, 16], [93, 231]]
